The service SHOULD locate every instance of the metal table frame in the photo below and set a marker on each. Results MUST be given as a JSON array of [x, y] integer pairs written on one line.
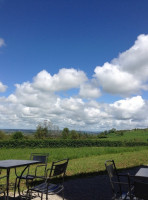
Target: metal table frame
[[8, 164]]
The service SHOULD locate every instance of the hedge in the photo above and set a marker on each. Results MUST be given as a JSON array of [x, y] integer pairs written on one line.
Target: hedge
[[66, 143]]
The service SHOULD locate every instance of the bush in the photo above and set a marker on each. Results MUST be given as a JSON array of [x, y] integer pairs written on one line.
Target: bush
[[17, 135], [66, 143]]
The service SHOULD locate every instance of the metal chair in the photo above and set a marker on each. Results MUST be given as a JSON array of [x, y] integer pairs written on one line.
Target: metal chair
[[140, 189], [49, 187], [121, 188], [30, 176]]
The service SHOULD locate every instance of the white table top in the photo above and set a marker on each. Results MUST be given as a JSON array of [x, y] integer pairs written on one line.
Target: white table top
[[143, 172]]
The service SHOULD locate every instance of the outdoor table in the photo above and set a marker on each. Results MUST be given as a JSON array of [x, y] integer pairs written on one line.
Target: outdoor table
[[8, 164], [142, 173]]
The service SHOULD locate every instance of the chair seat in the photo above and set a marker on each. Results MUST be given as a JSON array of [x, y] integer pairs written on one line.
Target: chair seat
[[29, 177], [52, 188]]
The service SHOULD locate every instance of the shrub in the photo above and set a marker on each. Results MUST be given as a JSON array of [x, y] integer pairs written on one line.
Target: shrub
[[66, 143], [17, 135]]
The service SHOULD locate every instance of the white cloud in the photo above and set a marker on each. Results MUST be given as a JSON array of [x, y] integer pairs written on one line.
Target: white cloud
[[129, 113], [128, 108], [89, 91], [2, 42], [135, 60], [25, 109], [127, 74], [2, 87], [115, 81], [66, 79], [33, 102]]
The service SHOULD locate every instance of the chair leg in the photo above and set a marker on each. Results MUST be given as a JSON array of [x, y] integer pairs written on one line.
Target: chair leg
[[29, 194], [5, 196], [47, 196], [63, 194], [41, 196]]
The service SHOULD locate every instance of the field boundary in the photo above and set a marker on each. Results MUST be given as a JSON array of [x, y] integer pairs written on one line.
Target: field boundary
[[58, 143]]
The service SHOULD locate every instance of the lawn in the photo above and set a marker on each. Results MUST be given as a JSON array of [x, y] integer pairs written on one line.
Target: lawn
[[85, 160], [137, 135]]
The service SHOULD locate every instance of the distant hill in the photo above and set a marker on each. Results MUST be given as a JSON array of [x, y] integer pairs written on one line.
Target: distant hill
[[25, 131]]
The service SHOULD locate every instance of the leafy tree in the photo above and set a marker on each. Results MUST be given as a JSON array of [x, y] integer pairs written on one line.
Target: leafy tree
[[74, 134], [41, 132], [102, 135], [46, 130], [65, 133], [2, 135], [120, 133], [18, 135]]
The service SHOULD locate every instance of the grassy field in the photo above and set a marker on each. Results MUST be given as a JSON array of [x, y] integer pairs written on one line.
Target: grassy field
[[84, 160], [88, 161], [140, 135]]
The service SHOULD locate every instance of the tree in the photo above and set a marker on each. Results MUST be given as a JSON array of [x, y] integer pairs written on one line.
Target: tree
[[41, 132], [74, 134], [113, 130], [65, 133], [2, 135], [18, 135], [46, 130]]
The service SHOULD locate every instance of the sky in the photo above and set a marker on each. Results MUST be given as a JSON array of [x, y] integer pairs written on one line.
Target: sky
[[80, 64]]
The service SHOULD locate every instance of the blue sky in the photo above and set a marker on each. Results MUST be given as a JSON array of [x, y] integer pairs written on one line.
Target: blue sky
[[79, 64]]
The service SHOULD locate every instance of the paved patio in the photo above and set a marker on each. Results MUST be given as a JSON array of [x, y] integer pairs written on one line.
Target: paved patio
[[90, 188]]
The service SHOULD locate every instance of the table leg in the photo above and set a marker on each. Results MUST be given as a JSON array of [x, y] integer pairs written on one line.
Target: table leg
[[20, 180], [8, 174]]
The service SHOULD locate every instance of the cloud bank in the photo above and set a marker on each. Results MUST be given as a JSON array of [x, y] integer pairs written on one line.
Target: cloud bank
[[127, 74], [126, 77]]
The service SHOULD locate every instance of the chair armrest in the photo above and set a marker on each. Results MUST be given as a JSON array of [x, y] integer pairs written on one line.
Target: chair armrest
[[47, 171], [36, 169], [120, 183]]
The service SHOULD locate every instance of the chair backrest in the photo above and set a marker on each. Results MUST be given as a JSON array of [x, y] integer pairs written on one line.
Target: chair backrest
[[111, 168], [141, 189], [58, 168], [113, 177], [43, 157]]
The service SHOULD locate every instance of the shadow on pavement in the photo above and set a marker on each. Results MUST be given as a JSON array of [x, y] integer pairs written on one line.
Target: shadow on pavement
[[89, 188]]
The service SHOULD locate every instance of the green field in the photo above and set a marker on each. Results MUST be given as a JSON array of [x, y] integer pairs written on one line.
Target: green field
[[85, 160], [139, 135], [88, 161]]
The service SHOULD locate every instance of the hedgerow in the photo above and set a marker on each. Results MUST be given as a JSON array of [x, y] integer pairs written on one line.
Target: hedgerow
[[66, 143]]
